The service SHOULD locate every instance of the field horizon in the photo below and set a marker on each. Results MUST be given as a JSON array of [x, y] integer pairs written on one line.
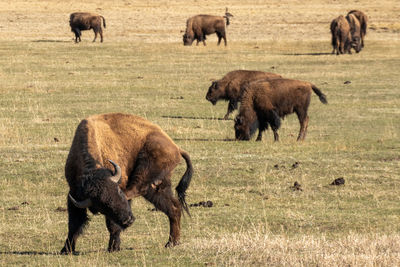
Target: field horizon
[[48, 84]]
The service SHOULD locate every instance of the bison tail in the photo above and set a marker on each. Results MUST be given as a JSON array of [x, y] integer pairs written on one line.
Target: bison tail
[[104, 21], [185, 181], [321, 96]]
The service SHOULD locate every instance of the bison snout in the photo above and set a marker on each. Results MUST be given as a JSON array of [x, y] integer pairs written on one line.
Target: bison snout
[[213, 101], [128, 221]]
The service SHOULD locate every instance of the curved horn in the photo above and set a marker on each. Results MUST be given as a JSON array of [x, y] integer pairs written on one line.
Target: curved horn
[[116, 178], [81, 204]]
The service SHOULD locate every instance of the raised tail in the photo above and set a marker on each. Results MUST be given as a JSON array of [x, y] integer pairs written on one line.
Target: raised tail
[[227, 16], [104, 21], [321, 96], [185, 181]]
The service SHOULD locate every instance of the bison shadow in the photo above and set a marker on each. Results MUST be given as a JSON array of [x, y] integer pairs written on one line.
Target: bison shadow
[[50, 41], [205, 139], [308, 54], [193, 118], [34, 253]]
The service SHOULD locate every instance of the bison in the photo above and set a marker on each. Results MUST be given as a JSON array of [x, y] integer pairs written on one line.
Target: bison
[[266, 102], [229, 88], [341, 35], [142, 156], [355, 30], [81, 21], [199, 26], [363, 19]]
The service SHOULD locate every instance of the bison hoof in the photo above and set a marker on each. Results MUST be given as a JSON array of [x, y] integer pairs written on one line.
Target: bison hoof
[[171, 244], [66, 251], [113, 249]]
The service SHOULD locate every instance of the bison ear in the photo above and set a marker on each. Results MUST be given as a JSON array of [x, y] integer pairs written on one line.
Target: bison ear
[[116, 178]]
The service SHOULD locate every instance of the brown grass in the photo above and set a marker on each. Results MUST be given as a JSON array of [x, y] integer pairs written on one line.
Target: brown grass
[[48, 84]]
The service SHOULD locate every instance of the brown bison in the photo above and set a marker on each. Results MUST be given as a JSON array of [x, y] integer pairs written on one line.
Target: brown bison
[[144, 157], [81, 21], [199, 26], [341, 35], [355, 30], [266, 102], [230, 87], [363, 19]]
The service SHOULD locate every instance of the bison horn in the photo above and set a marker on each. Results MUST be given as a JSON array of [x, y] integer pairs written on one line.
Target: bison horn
[[116, 178], [81, 204]]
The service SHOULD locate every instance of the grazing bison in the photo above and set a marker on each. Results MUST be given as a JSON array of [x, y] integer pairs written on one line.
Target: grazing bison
[[199, 26], [229, 88], [144, 157], [341, 35], [81, 21], [265, 102], [355, 30], [363, 19]]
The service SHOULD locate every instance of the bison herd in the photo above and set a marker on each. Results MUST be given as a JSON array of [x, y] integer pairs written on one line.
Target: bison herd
[[347, 32], [117, 157]]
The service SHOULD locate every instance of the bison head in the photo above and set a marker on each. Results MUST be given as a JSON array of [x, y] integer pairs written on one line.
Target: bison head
[[102, 194], [214, 92], [245, 128], [188, 39]]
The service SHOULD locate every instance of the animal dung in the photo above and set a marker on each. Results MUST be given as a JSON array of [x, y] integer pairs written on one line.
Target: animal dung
[[338, 181], [205, 204], [60, 209], [296, 187], [295, 165]]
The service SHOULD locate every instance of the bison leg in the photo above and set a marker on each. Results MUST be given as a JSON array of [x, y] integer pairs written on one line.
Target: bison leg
[[115, 231], [77, 35], [303, 120], [95, 35], [231, 107], [101, 35], [303, 129], [77, 219], [163, 199]]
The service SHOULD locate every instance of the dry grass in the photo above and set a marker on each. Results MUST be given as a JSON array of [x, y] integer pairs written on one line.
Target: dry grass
[[48, 84]]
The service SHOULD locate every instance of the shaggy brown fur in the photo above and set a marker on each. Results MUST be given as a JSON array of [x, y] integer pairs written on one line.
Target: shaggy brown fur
[[355, 30], [81, 21], [363, 19], [199, 26], [265, 102], [341, 35], [146, 156], [230, 87]]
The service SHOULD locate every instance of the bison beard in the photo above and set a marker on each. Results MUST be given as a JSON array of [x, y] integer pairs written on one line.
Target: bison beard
[[147, 157]]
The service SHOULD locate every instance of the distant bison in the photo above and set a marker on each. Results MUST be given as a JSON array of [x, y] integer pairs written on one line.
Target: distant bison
[[363, 19], [355, 30], [266, 102], [341, 35], [143, 157], [198, 27], [230, 87], [81, 21]]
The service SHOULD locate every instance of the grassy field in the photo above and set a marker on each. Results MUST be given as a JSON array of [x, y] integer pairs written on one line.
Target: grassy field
[[48, 84]]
